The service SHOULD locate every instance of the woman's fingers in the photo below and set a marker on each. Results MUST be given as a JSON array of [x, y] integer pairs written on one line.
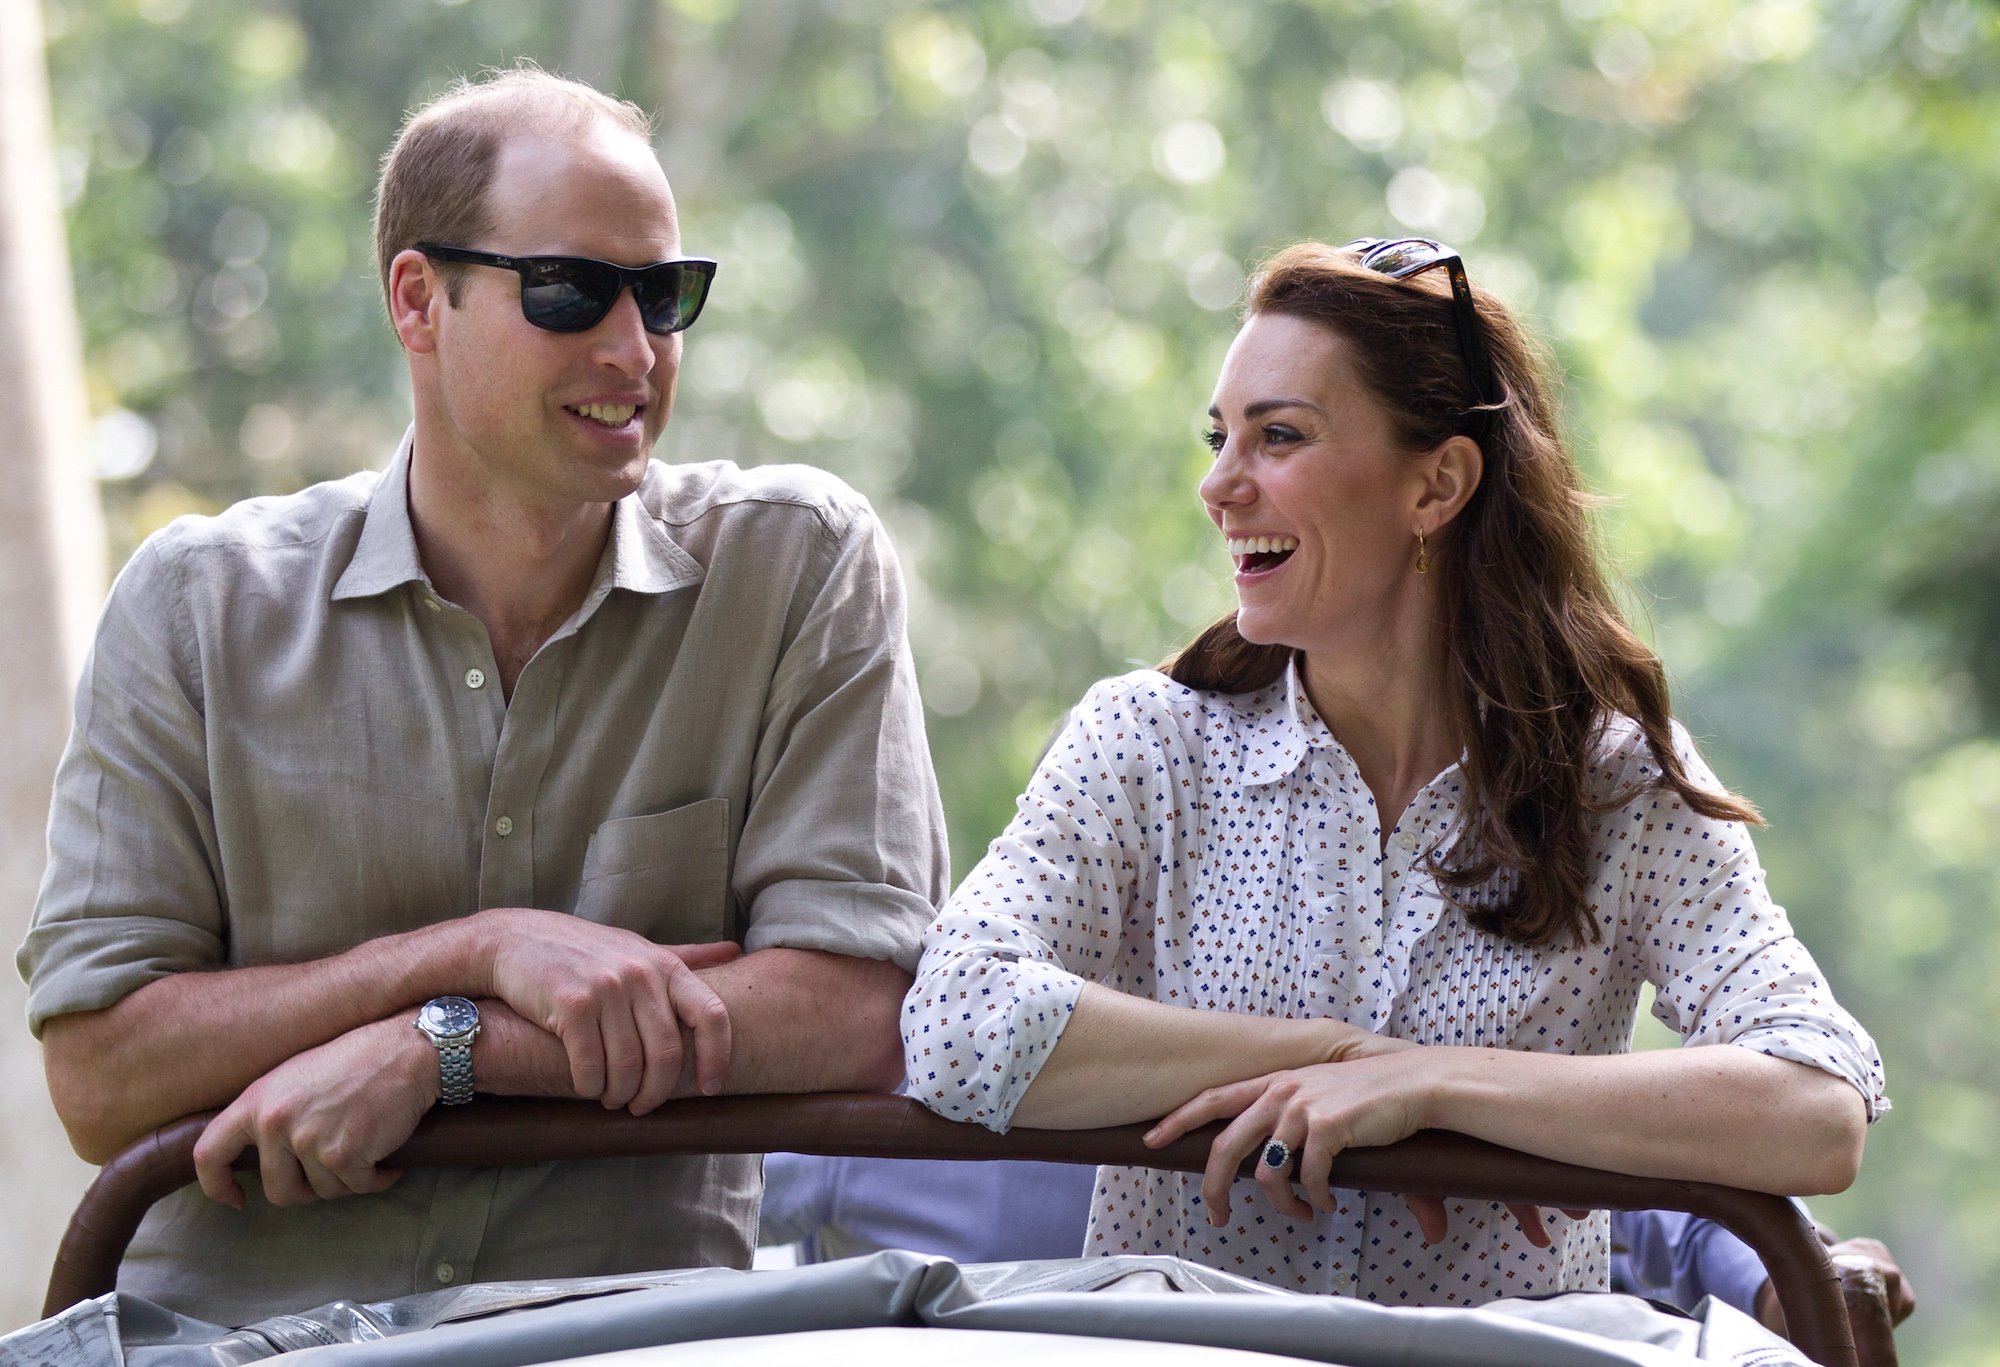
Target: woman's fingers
[[1529, 1218], [1432, 1222], [1239, 1139], [1276, 1181], [1316, 1171], [1217, 1103]]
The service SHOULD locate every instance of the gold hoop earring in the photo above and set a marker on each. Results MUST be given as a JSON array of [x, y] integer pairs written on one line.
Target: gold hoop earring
[[1423, 554]]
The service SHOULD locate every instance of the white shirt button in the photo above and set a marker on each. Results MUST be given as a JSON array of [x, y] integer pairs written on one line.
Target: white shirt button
[[504, 826], [446, 1273], [475, 678], [1405, 841]]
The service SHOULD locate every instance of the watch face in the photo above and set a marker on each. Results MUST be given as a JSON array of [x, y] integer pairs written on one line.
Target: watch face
[[445, 1016]]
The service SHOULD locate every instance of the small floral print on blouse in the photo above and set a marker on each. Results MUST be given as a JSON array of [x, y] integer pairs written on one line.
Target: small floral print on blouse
[[1222, 853]]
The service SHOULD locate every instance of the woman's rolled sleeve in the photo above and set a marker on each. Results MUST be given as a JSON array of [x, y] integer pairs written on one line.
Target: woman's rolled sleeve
[[989, 1003], [1775, 1000], [1721, 954], [998, 981]]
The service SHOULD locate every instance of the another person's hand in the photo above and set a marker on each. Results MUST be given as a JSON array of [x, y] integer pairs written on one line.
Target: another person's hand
[[1370, 1098], [617, 1001], [1872, 1254], [322, 1120]]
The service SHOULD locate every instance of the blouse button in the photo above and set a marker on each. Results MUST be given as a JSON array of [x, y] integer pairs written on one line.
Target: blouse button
[[475, 678], [1406, 842]]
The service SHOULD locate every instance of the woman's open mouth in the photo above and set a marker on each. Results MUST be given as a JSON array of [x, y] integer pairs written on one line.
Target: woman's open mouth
[[1256, 554]]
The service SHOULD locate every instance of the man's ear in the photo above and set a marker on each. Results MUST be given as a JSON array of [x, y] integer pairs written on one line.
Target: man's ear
[[416, 299], [1454, 471]]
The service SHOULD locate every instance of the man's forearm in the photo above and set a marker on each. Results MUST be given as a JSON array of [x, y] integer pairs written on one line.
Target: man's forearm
[[803, 1020], [800, 1021], [193, 1041], [806, 1021]]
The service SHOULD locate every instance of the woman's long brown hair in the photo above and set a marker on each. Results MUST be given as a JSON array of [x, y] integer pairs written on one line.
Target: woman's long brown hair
[[1536, 654]]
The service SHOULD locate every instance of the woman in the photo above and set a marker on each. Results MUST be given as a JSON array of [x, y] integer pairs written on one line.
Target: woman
[[1407, 831]]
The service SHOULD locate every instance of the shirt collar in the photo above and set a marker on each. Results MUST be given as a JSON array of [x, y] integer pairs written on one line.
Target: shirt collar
[[386, 554], [639, 555], [1291, 729]]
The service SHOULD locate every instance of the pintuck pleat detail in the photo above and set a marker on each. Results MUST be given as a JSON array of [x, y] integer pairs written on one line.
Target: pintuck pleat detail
[[1473, 989]]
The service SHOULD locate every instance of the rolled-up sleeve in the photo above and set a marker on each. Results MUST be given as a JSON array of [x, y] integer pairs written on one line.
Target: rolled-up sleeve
[[130, 892], [1721, 954], [1006, 960], [843, 847]]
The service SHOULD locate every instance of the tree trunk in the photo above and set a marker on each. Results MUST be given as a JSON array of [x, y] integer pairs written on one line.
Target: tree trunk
[[52, 566]]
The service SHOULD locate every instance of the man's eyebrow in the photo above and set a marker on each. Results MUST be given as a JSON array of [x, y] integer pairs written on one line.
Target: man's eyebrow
[[1263, 406]]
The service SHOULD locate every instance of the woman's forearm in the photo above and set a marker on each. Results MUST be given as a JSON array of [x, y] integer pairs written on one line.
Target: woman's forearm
[[1123, 1058], [1715, 1113]]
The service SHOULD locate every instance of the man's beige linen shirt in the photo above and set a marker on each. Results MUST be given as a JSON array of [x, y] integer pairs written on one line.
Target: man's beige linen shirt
[[287, 743]]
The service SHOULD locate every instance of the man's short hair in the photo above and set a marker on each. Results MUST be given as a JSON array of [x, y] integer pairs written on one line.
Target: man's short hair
[[436, 174]]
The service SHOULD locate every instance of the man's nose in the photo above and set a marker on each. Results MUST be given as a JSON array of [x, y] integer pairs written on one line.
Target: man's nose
[[620, 339]]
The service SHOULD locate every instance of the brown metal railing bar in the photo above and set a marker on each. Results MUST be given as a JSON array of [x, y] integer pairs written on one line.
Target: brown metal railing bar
[[1433, 1163]]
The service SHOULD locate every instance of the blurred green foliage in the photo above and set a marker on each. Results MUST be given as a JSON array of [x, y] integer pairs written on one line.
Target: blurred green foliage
[[981, 259]]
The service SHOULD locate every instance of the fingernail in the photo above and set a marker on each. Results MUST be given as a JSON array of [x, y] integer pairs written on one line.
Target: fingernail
[[1152, 1136], [710, 1088]]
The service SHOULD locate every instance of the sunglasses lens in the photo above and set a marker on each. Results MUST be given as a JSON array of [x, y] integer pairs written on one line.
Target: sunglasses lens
[[1393, 258], [567, 296], [671, 295]]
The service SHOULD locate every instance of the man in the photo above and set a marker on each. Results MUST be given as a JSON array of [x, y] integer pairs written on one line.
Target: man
[[629, 755]]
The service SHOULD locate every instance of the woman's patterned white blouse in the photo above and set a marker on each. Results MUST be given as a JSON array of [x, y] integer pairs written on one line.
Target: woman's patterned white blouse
[[1222, 852]]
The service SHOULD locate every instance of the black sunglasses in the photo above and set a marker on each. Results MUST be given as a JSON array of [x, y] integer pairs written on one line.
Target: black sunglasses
[[573, 293], [1399, 258]]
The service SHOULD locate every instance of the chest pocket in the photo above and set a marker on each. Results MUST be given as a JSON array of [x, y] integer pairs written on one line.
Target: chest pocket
[[665, 875]]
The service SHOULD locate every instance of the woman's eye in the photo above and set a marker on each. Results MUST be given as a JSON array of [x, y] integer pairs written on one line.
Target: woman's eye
[[1213, 440], [1280, 436]]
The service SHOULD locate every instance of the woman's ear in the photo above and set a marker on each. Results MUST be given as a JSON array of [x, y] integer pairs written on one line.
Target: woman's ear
[[416, 295], [1454, 471]]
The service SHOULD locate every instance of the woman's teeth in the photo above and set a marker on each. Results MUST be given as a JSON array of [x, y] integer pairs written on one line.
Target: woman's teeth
[[1260, 552], [1262, 545]]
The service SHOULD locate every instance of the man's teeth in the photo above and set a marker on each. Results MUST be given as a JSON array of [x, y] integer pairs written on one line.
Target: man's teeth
[[1262, 545], [614, 414]]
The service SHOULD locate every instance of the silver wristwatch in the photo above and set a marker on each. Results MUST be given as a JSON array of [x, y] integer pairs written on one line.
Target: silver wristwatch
[[452, 1024]]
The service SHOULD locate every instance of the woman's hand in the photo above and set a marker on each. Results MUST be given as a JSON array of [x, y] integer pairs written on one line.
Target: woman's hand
[[1371, 1098], [1316, 1111]]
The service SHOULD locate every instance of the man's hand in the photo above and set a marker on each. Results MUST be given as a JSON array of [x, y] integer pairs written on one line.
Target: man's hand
[[1870, 1254], [322, 1120], [617, 1001]]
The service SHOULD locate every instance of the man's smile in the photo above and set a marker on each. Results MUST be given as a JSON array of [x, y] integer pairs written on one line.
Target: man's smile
[[605, 414]]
